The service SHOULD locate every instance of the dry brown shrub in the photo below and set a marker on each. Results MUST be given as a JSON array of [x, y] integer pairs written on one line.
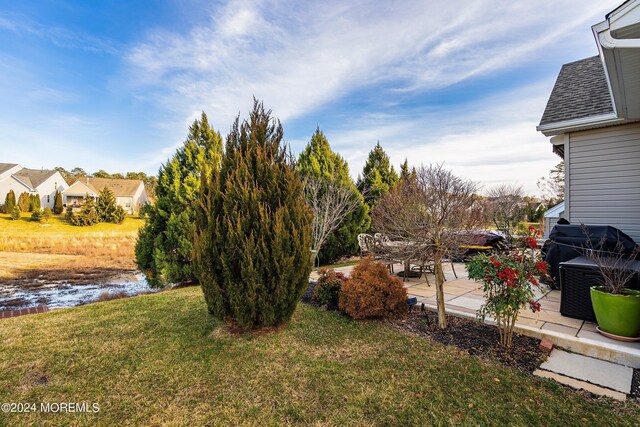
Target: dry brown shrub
[[372, 292], [108, 296]]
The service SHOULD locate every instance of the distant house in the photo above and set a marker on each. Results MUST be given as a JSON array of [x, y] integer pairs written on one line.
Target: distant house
[[551, 218], [32, 181], [129, 193], [593, 119]]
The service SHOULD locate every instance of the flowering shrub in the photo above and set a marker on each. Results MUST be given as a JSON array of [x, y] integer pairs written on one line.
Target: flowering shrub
[[328, 288], [507, 283]]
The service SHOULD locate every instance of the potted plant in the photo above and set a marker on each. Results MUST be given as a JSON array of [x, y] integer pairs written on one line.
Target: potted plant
[[617, 308]]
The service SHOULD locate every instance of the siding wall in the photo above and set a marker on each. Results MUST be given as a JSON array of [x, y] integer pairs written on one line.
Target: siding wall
[[48, 188], [603, 182]]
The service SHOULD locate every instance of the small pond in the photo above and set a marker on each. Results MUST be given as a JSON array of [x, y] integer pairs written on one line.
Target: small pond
[[58, 295]]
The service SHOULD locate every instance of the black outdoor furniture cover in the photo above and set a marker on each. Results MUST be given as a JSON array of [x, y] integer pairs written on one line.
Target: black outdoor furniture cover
[[567, 242]]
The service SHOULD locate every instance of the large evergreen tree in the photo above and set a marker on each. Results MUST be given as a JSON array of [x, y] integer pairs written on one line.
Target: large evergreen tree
[[253, 239], [165, 243], [378, 176], [106, 205], [10, 202], [318, 160]]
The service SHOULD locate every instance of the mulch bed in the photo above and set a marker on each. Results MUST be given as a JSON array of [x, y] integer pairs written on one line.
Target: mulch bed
[[635, 384], [475, 338], [470, 336]]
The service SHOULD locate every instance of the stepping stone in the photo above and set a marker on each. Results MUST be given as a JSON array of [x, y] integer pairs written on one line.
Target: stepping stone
[[581, 385], [594, 371]]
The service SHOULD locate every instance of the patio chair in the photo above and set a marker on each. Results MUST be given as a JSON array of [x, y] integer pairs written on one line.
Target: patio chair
[[379, 237], [423, 266], [365, 242], [382, 252]]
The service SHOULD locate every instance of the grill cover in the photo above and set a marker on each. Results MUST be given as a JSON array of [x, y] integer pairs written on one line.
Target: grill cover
[[567, 242]]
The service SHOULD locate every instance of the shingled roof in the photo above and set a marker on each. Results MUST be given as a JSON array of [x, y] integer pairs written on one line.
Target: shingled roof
[[33, 177], [580, 91], [120, 187], [6, 166]]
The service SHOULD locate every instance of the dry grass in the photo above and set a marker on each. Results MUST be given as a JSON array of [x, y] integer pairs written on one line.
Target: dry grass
[[108, 296], [163, 360], [58, 250]]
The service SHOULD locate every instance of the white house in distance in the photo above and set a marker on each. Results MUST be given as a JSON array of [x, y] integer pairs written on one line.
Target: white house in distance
[[593, 119], [31, 181], [129, 193]]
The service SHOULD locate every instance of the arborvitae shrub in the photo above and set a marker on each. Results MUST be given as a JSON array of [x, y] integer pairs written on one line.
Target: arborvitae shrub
[[57, 203], [9, 202], [24, 201], [118, 215], [327, 289], [15, 213], [46, 215], [372, 292], [253, 236], [36, 215], [34, 202]]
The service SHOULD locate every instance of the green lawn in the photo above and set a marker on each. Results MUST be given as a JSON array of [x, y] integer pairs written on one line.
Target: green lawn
[[161, 359]]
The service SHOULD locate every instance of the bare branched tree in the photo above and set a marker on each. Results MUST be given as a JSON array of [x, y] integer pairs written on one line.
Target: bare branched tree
[[331, 203], [431, 213], [507, 207], [614, 265]]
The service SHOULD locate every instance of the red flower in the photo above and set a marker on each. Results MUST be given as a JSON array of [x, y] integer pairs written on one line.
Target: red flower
[[541, 266], [530, 242], [534, 305]]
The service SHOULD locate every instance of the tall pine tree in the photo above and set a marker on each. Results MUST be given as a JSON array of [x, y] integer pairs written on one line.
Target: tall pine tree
[[253, 239], [165, 244], [378, 176], [320, 161]]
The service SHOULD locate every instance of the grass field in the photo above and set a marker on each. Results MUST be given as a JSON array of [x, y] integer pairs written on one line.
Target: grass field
[[161, 359], [58, 250]]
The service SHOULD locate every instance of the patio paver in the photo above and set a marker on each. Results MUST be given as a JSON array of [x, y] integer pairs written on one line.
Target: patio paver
[[464, 296]]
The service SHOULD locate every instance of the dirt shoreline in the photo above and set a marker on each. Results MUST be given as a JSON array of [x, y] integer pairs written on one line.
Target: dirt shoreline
[[35, 279]]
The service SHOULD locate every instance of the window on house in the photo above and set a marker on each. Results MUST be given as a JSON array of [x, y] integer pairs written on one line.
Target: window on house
[[48, 198]]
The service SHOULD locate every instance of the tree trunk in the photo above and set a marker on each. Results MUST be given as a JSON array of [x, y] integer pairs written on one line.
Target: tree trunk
[[442, 318]]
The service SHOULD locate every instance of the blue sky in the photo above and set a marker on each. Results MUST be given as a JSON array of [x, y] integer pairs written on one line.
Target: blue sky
[[114, 84]]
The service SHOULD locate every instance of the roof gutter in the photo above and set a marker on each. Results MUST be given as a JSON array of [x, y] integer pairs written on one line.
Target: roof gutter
[[558, 128], [610, 49]]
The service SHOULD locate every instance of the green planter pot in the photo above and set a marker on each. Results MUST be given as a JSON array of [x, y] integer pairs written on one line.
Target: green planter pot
[[617, 314]]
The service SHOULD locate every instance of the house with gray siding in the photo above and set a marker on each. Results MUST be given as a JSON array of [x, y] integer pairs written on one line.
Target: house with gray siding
[[593, 121]]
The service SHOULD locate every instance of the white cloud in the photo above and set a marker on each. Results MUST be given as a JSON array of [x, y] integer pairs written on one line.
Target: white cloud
[[299, 57], [489, 141], [303, 56]]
